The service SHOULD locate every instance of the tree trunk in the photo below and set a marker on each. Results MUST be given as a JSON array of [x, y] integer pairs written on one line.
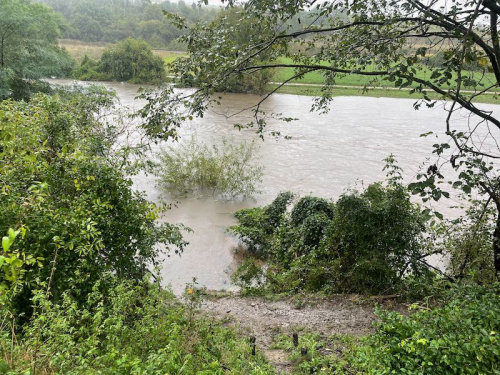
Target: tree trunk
[[496, 246], [2, 62]]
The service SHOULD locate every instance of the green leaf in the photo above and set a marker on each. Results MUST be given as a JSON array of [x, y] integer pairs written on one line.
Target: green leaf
[[6, 243]]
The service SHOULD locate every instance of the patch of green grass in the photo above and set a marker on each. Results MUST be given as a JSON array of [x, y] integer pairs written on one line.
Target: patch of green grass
[[170, 56], [315, 354], [283, 74], [376, 93]]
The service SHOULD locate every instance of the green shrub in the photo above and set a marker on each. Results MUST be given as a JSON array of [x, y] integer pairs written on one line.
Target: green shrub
[[89, 70], [308, 206], [251, 228], [314, 228], [376, 239], [79, 212], [461, 337], [228, 170], [367, 242], [276, 211], [257, 225], [131, 61], [130, 328]]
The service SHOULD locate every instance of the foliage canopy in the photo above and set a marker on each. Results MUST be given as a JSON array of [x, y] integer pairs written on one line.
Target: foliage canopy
[[367, 242], [111, 21], [131, 61], [64, 185], [28, 48]]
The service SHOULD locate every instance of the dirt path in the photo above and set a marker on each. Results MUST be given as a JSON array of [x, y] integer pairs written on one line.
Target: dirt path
[[265, 320]]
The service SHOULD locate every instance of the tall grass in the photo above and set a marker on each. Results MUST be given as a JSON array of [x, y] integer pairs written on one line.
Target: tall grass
[[228, 171]]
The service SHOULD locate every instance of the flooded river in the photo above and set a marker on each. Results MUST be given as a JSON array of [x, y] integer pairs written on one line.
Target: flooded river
[[327, 154]]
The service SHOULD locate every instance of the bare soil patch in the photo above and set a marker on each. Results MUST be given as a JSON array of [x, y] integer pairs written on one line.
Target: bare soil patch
[[340, 315], [265, 319]]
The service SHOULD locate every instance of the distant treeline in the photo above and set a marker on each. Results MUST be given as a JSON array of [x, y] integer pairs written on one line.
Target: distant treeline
[[115, 20], [110, 21]]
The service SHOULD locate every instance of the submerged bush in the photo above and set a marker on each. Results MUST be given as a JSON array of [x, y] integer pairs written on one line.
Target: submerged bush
[[367, 242], [257, 225], [89, 70], [228, 170]]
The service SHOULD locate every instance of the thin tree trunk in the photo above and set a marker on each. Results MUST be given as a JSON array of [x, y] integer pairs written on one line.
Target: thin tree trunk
[[496, 246], [2, 62]]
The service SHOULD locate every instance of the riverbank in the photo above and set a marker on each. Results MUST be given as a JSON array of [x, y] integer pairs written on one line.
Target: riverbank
[[333, 321], [378, 92], [311, 85]]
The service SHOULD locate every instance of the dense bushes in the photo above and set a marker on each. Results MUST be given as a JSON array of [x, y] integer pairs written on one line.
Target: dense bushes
[[457, 334], [131, 328], [76, 209], [461, 337], [128, 61], [366, 242], [227, 170]]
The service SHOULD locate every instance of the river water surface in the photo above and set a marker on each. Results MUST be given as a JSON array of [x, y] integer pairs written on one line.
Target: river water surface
[[327, 154]]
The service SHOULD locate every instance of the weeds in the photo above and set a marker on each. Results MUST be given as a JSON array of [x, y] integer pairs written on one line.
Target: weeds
[[228, 171]]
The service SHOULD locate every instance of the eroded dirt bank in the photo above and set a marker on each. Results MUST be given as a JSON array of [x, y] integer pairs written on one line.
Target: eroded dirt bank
[[265, 320]]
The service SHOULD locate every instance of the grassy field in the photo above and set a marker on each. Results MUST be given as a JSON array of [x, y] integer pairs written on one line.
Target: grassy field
[[78, 50], [283, 74], [169, 56], [376, 93]]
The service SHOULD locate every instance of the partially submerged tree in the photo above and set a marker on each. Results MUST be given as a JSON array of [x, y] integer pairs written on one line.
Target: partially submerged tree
[[391, 40]]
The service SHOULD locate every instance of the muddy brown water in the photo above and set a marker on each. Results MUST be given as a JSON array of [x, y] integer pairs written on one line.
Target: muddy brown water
[[327, 154]]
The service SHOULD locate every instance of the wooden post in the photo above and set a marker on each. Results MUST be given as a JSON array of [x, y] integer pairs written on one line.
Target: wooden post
[[253, 340]]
